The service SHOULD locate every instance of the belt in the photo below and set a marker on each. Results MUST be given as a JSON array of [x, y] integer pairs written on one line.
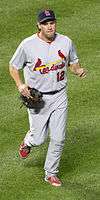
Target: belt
[[53, 92]]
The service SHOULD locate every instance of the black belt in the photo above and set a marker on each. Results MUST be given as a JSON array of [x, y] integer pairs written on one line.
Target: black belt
[[53, 92]]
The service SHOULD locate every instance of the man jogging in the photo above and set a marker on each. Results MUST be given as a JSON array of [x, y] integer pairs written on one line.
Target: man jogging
[[45, 57]]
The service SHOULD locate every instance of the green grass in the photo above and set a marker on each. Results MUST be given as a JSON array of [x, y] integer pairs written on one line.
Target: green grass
[[80, 163]]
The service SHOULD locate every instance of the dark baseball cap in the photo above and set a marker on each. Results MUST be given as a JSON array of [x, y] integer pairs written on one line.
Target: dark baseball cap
[[46, 15]]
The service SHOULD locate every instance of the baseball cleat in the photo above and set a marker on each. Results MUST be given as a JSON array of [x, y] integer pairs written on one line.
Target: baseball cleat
[[53, 180], [24, 150]]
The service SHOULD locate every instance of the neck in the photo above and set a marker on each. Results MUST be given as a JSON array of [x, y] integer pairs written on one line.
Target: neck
[[48, 40]]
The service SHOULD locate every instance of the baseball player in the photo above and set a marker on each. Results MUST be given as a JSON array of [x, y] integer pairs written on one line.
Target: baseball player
[[44, 58]]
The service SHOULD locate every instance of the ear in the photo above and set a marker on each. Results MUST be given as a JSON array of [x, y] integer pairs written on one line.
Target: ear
[[39, 26]]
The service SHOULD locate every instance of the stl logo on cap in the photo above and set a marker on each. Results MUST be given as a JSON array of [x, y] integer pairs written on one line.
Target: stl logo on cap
[[47, 13]]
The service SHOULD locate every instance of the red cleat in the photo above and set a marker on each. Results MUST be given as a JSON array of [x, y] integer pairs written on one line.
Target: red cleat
[[24, 150], [53, 180]]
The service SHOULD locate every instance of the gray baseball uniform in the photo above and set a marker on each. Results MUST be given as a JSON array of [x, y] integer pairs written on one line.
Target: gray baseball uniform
[[45, 67]]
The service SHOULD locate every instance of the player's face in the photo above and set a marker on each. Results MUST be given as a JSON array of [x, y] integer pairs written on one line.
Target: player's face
[[48, 29]]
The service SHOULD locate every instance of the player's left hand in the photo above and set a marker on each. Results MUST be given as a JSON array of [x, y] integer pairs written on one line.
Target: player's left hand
[[81, 72], [78, 70]]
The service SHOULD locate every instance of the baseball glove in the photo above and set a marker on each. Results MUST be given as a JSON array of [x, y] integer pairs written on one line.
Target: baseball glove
[[34, 99]]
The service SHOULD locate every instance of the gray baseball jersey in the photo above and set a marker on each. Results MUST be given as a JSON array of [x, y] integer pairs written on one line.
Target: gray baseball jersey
[[45, 64]]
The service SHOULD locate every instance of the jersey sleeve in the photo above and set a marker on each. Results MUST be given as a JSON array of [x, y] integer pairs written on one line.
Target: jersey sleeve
[[19, 58], [73, 58]]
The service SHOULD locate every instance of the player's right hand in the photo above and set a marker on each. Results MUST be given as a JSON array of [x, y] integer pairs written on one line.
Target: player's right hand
[[23, 89]]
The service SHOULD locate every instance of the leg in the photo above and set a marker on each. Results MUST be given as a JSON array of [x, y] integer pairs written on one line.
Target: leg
[[57, 137], [37, 133], [38, 128]]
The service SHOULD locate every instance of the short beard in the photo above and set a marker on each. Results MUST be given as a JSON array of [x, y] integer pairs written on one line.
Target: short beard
[[51, 37]]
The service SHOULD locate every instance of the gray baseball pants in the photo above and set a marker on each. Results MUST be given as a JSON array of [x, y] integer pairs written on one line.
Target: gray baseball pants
[[51, 117]]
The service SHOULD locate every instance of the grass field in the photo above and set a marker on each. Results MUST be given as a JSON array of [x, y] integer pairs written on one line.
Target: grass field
[[80, 163]]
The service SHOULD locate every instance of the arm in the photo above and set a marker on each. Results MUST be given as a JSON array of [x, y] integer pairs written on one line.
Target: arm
[[74, 64], [78, 70], [23, 88]]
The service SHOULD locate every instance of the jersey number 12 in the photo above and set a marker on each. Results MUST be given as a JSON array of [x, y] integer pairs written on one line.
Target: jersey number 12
[[60, 76]]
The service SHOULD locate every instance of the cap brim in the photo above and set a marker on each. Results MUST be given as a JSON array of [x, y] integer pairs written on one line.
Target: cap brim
[[47, 19]]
